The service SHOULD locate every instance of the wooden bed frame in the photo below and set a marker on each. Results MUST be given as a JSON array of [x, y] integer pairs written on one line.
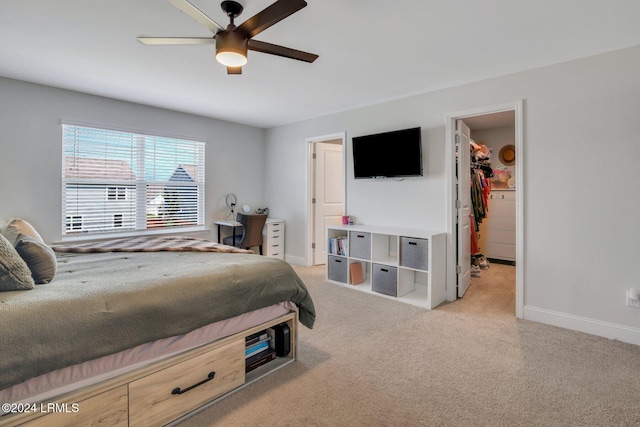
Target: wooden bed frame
[[147, 396]]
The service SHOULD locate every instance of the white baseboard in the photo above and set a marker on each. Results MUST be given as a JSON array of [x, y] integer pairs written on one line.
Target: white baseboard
[[609, 330]]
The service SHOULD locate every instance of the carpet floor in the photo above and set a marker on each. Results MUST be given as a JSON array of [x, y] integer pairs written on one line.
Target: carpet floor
[[372, 361]]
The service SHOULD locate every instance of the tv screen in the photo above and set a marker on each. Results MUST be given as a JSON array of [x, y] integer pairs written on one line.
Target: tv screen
[[388, 155]]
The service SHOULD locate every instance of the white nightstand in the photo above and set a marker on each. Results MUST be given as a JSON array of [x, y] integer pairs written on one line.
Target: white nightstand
[[273, 238]]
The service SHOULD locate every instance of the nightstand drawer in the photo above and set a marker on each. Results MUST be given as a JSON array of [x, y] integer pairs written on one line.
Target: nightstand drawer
[[277, 239], [275, 228], [275, 251], [170, 393]]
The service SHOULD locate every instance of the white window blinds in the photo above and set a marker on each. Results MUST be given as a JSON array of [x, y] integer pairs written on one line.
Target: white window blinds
[[116, 182]]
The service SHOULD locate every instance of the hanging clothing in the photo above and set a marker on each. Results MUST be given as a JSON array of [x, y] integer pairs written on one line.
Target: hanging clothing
[[481, 171], [480, 190], [474, 237]]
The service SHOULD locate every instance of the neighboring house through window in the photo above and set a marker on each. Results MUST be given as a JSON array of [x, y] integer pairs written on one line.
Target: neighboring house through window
[[118, 181], [116, 193]]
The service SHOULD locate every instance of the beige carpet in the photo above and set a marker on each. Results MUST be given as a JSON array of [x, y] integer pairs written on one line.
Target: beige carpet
[[371, 361]]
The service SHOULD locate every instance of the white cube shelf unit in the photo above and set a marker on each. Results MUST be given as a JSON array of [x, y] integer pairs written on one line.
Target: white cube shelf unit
[[408, 265]]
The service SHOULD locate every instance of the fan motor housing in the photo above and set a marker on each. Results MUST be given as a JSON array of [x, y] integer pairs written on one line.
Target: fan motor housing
[[231, 42]]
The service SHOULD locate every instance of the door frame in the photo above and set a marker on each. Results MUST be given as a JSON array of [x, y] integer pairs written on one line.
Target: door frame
[[311, 173], [450, 131]]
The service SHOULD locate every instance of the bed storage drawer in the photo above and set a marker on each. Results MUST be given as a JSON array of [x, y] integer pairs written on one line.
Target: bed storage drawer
[[104, 409], [172, 392]]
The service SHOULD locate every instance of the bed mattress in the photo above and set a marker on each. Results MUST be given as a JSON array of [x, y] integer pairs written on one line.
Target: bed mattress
[[103, 303], [71, 378]]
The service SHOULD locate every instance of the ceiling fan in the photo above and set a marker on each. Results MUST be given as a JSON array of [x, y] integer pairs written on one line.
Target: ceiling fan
[[233, 42]]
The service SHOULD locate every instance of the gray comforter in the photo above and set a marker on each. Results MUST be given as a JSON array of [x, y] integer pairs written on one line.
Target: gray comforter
[[102, 303]]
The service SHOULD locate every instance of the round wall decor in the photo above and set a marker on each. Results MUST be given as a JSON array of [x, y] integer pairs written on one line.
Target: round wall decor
[[507, 155]]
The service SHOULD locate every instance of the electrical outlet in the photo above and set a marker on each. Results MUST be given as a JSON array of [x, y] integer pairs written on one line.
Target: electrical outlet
[[633, 298]]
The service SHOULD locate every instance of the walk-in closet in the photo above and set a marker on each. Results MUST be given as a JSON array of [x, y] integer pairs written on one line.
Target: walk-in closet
[[493, 210]]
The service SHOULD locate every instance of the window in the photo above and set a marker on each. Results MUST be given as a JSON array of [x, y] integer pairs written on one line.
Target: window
[[118, 181], [116, 193], [74, 223], [117, 220]]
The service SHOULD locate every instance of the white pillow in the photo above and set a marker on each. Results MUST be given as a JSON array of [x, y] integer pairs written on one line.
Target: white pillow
[[17, 226]]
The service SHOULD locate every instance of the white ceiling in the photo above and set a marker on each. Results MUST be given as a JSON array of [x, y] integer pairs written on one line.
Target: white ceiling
[[370, 50]]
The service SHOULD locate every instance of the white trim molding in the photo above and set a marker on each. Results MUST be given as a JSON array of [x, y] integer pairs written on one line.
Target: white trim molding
[[609, 330], [310, 176], [450, 124]]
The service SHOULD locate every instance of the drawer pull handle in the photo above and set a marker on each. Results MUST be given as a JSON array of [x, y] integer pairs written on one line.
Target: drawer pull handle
[[209, 378], [337, 260], [384, 269], [275, 237], [413, 243], [276, 231], [360, 236]]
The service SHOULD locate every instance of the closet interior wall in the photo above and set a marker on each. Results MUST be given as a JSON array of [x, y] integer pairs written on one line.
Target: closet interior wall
[[494, 139]]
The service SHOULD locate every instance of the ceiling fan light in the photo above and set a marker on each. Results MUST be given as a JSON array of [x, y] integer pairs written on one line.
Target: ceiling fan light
[[231, 59], [231, 49]]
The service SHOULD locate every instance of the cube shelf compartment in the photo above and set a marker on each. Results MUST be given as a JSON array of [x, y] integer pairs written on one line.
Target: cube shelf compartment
[[405, 264]]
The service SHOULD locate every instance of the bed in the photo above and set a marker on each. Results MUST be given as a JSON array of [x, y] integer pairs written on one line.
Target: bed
[[117, 332]]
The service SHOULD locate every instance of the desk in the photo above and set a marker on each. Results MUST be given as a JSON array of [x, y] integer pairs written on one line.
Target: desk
[[273, 235], [232, 224]]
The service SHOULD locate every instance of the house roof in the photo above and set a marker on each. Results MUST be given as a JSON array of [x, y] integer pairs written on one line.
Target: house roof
[[185, 172], [369, 51], [90, 168]]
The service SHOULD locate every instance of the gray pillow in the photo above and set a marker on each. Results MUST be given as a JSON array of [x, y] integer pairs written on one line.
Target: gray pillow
[[14, 273], [39, 257]]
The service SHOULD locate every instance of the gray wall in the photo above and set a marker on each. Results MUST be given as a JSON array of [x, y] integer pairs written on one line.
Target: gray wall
[[581, 165], [31, 150], [581, 161]]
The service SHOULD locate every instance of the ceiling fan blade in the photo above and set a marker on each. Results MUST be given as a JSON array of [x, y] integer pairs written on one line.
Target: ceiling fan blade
[[234, 70], [176, 40], [197, 14], [269, 16], [285, 52]]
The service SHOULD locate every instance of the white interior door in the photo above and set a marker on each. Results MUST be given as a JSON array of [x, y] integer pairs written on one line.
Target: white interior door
[[463, 204], [328, 196]]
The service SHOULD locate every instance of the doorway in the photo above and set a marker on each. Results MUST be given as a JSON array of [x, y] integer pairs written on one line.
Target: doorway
[[326, 192], [478, 121]]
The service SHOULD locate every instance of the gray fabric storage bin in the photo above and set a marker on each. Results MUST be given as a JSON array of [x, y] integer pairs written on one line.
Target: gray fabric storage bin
[[359, 245], [338, 268], [385, 279], [414, 253]]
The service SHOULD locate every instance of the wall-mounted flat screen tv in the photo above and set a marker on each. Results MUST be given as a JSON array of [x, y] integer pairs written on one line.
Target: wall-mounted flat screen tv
[[388, 154]]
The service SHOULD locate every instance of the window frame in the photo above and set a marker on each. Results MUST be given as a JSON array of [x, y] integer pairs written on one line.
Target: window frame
[[135, 191]]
